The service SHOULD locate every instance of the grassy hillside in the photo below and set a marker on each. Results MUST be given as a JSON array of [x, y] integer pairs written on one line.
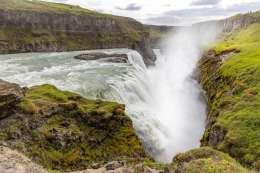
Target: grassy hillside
[[233, 86], [42, 6]]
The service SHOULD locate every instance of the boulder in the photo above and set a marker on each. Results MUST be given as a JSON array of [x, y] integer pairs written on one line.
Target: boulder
[[10, 95], [114, 165], [114, 58]]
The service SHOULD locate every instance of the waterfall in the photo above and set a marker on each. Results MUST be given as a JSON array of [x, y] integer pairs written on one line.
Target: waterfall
[[164, 101]]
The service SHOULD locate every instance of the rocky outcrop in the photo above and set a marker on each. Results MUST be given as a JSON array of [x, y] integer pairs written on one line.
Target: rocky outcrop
[[158, 34], [44, 27], [64, 131], [10, 96], [114, 58], [145, 50]]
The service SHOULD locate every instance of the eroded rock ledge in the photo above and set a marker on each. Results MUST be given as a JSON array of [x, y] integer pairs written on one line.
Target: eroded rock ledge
[[114, 58]]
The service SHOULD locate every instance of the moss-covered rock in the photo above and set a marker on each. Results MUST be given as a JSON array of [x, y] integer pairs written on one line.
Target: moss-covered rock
[[10, 96], [230, 76], [64, 131], [206, 160]]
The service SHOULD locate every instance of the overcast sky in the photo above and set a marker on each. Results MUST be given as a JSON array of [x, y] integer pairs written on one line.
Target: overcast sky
[[169, 12]]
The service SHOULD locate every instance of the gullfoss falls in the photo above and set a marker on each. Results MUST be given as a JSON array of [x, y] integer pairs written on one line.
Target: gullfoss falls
[[164, 102]]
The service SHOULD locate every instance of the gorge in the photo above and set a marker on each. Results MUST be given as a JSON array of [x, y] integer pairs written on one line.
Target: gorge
[[190, 107]]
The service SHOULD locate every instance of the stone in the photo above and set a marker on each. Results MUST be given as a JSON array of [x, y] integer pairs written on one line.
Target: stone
[[113, 58], [10, 95], [95, 165], [114, 165]]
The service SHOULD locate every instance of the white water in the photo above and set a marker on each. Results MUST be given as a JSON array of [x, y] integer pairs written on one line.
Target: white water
[[164, 102], [177, 97]]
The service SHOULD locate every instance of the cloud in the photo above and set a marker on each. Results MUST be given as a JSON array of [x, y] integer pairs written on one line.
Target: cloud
[[130, 7], [194, 15], [205, 2]]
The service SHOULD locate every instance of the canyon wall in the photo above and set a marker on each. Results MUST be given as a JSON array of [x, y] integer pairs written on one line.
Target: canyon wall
[[45, 27]]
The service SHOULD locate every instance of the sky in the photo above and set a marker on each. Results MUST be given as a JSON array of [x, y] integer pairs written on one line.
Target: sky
[[169, 12]]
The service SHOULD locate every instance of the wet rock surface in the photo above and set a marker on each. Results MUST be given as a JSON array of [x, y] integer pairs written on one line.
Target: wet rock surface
[[113, 58]]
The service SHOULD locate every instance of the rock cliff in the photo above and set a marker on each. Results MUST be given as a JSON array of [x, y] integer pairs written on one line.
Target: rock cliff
[[35, 26], [239, 21]]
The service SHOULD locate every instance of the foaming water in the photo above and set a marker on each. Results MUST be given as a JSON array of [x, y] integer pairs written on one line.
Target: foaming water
[[164, 102], [177, 97]]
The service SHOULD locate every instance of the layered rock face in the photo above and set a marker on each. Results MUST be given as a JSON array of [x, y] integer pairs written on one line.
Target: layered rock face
[[42, 27], [239, 21]]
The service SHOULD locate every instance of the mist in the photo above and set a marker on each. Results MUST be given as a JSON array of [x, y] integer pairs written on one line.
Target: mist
[[177, 100]]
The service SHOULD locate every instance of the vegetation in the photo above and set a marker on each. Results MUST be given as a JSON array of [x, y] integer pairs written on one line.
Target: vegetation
[[206, 160], [43, 6], [64, 131], [233, 87]]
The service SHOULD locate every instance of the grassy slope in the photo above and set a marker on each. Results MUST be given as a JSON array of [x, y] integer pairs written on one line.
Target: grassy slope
[[206, 160], [42, 6], [237, 98]]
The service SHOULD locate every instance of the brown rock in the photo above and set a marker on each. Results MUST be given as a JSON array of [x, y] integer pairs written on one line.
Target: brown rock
[[114, 58], [10, 95], [114, 165]]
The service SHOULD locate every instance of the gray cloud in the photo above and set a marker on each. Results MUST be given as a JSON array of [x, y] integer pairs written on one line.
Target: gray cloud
[[193, 15], [205, 2], [130, 7]]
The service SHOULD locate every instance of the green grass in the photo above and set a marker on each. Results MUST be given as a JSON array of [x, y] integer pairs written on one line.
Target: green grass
[[206, 160], [235, 96], [42, 6]]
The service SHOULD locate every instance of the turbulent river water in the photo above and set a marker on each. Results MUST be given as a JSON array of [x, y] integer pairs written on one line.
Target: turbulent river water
[[164, 101]]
